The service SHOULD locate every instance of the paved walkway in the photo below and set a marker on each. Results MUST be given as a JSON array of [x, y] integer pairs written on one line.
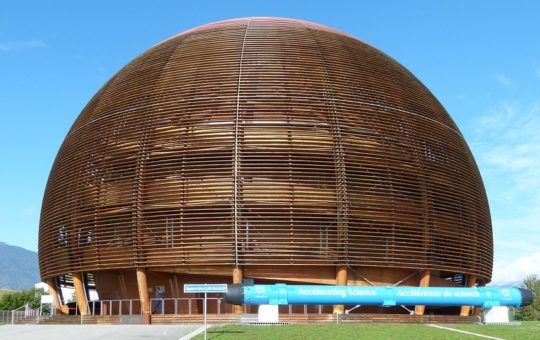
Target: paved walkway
[[87, 332]]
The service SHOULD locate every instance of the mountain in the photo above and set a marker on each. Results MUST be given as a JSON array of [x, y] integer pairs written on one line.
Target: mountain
[[18, 267]]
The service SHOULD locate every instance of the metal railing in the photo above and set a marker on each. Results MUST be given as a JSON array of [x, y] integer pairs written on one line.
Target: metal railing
[[305, 309], [116, 307], [127, 307], [157, 306], [21, 313], [217, 306], [185, 305], [5, 317], [111, 307], [18, 314]]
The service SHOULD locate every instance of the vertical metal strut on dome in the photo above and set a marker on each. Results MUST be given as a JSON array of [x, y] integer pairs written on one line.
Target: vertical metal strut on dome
[[342, 201], [237, 148]]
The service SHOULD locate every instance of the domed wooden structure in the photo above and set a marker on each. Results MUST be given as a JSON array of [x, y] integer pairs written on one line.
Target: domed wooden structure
[[276, 148]]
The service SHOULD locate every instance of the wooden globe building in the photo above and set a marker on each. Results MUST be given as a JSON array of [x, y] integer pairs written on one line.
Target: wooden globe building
[[268, 148]]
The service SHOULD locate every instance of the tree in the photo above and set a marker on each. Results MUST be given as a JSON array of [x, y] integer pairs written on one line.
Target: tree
[[531, 312], [14, 300]]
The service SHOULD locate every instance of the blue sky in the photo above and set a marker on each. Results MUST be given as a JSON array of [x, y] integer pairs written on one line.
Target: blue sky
[[481, 59]]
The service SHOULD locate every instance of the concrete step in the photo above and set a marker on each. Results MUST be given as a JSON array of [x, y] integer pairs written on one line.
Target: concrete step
[[29, 320], [316, 318], [76, 319], [249, 318]]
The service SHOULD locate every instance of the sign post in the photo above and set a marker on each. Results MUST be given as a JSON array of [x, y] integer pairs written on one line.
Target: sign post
[[205, 288], [204, 312]]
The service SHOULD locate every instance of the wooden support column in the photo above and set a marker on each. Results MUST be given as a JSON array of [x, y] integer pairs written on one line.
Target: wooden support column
[[80, 294], [53, 291], [143, 294], [425, 276], [477, 309], [471, 281], [237, 277], [341, 280]]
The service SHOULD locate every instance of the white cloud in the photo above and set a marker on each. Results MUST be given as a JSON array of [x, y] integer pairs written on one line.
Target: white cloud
[[499, 117], [509, 142], [507, 148], [536, 68], [21, 45], [504, 80], [511, 272], [516, 236], [29, 212]]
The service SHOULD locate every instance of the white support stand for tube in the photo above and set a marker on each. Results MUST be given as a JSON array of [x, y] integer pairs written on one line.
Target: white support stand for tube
[[268, 314], [497, 315]]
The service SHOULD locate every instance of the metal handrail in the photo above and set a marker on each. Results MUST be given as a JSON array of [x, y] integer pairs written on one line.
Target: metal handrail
[[158, 305], [20, 313], [5, 316], [106, 307]]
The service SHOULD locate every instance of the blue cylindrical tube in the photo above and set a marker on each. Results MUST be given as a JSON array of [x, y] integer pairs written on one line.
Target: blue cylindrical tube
[[281, 294]]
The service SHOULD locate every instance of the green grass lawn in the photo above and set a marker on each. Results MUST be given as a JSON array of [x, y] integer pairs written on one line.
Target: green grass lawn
[[527, 330]]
